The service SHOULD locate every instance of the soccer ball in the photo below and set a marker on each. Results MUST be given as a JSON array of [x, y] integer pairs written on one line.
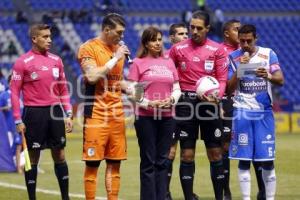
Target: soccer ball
[[208, 86]]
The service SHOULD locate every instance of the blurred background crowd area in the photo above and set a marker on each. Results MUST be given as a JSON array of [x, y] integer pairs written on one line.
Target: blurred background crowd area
[[75, 21]]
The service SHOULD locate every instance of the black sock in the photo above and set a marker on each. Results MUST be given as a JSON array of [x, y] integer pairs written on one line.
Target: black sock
[[226, 166], [62, 174], [217, 177], [30, 179], [186, 172], [170, 170], [258, 173]]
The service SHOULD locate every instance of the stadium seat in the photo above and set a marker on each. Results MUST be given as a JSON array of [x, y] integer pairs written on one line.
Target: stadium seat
[[281, 33], [254, 6]]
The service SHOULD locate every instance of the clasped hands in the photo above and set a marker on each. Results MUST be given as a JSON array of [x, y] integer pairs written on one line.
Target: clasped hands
[[165, 103], [209, 98]]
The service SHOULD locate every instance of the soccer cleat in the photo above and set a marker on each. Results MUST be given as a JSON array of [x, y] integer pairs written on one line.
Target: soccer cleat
[[195, 197], [261, 195], [168, 196], [227, 195]]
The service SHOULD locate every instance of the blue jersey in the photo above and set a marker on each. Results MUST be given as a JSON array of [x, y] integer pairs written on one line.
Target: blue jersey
[[254, 93], [5, 101], [253, 132]]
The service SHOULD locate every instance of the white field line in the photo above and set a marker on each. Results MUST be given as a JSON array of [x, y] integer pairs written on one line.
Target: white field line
[[52, 192]]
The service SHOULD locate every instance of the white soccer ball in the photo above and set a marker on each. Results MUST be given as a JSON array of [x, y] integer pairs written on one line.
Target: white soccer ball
[[208, 86]]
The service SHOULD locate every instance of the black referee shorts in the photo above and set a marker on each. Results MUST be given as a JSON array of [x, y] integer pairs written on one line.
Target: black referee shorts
[[227, 105], [192, 113], [45, 127]]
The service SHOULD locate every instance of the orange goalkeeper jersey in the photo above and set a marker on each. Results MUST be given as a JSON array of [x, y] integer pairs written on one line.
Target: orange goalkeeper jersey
[[103, 99]]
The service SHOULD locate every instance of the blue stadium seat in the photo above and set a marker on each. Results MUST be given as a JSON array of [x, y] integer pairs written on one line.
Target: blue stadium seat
[[254, 6], [6, 5], [281, 33], [61, 5]]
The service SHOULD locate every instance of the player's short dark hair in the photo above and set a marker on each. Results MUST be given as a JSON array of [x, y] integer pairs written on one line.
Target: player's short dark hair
[[148, 35], [228, 24], [199, 14], [112, 19], [248, 28], [35, 28], [173, 27]]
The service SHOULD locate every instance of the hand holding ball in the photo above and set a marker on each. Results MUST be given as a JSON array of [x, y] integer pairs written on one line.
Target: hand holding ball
[[207, 86]]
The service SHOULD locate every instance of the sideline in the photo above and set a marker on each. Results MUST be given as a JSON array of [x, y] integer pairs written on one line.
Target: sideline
[[52, 192]]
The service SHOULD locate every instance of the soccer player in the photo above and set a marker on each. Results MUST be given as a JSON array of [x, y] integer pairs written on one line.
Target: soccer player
[[39, 75], [230, 44], [154, 122], [102, 59], [177, 33], [195, 58], [253, 122]]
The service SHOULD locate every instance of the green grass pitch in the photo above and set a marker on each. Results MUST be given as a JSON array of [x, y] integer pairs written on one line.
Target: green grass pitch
[[287, 170]]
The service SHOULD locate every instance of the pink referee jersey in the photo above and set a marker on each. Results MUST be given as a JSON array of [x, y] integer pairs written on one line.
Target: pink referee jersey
[[194, 61], [228, 48], [42, 81], [159, 74]]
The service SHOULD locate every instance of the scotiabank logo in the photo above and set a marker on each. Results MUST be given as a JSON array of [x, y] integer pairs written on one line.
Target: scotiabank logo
[[253, 85]]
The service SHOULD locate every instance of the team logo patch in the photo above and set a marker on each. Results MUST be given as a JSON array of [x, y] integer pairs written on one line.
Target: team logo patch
[[55, 72], [33, 75], [91, 151], [243, 139], [209, 65], [218, 133]]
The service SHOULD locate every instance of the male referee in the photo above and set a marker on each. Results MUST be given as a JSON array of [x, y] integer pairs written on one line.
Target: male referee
[[39, 75]]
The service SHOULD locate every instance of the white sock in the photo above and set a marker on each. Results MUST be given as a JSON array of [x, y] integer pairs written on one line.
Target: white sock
[[245, 183], [269, 178]]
